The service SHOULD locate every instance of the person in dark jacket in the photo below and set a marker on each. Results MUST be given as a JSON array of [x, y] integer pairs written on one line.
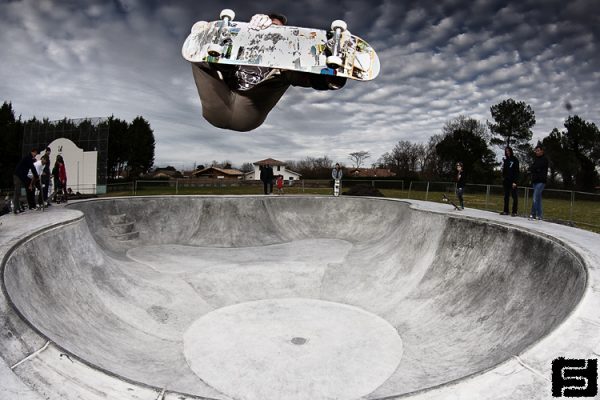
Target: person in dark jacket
[[20, 180], [460, 184], [46, 174], [510, 176], [539, 174], [266, 176]]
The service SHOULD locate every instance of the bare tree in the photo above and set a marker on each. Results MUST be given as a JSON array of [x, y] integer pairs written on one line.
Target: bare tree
[[247, 167], [358, 157], [406, 159], [312, 167]]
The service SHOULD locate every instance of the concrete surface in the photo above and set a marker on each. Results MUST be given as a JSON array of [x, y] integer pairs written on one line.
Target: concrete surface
[[305, 349], [97, 305]]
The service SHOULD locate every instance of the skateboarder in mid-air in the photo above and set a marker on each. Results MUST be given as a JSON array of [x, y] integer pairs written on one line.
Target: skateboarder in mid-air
[[240, 97]]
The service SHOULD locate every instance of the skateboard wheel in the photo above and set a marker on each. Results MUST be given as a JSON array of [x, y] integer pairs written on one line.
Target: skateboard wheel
[[334, 61], [214, 50], [339, 24], [227, 13]]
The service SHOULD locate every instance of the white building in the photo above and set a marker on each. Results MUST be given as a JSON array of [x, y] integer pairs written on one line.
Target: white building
[[279, 168], [81, 166]]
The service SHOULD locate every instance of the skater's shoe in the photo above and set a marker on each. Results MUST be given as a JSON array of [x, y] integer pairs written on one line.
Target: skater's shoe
[[335, 82], [503, 213], [513, 214]]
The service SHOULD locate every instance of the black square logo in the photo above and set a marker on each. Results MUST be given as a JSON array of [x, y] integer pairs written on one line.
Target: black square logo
[[574, 377]]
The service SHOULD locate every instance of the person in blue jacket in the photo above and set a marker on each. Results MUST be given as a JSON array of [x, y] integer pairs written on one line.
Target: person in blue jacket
[[539, 176]]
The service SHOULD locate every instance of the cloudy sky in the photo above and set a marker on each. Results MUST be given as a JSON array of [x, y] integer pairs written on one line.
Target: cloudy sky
[[440, 59]]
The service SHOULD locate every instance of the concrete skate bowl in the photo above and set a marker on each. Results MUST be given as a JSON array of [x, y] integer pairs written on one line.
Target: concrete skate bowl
[[290, 297]]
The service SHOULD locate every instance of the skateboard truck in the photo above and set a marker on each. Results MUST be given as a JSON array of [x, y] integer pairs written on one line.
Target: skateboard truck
[[214, 49], [334, 60]]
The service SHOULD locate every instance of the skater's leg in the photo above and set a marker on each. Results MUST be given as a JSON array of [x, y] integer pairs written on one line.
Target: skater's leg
[[515, 204], [30, 191], [17, 194], [507, 188], [228, 109], [251, 107], [215, 96], [459, 194]]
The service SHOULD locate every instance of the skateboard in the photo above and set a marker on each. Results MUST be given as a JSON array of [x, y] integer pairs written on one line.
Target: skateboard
[[336, 52], [445, 199], [336, 188]]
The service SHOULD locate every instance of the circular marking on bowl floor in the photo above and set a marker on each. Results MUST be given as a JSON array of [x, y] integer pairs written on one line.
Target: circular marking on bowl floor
[[294, 349]]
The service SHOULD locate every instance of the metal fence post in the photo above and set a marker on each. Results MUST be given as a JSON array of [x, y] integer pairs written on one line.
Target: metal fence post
[[487, 196], [409, 189], [176, 186], [571, 207], [427, 191], [134, 188]]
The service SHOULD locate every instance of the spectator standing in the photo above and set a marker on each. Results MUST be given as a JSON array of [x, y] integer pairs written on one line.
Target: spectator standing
[[510, 176], [539, 176], [337, 175], [38, 183], [59, 175], [279, 183], [46, 176], [266, 176], [460, 184], [20, 180]]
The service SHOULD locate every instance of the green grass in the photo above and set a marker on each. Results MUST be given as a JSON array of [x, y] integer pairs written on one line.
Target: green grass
[[585, 212]]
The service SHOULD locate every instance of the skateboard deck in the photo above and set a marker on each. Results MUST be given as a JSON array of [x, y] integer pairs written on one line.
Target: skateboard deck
[[336, 188], [445, 199], [284, 47]]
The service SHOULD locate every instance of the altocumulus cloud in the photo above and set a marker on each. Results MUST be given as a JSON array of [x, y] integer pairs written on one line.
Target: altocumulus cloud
[[440, 59]]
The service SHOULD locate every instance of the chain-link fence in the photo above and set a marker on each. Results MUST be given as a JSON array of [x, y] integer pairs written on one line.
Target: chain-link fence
[[563, 206]]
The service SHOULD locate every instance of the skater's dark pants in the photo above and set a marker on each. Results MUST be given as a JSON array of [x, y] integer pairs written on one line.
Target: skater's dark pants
[[459, 194], [17, 195], [509, 191], [46, 185], [268, 187], [18, 184], [235, 110]]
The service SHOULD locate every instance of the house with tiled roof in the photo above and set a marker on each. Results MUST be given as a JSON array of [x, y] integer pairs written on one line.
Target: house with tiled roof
[[218, 173], [370, 172], [279, 168]]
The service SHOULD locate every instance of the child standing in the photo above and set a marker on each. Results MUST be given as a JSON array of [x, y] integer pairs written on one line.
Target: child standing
[[279, 184]]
